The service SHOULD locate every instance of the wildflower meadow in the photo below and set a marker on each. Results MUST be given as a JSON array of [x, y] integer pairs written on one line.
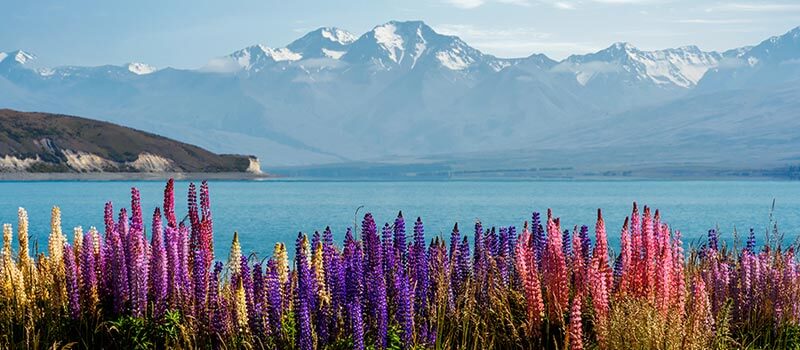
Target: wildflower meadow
[[538, 286]]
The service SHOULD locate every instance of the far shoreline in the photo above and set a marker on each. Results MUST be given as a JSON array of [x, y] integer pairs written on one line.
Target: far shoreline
[[132, 176]]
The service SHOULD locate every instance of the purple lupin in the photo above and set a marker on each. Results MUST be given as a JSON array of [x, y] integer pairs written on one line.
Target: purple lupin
[[400, 238], [274, 298], [88, 285], [375, 282], [158, 267], [119, 270], [71, 274], [353, 259], [302, 294], [200, 286], [257, 314]]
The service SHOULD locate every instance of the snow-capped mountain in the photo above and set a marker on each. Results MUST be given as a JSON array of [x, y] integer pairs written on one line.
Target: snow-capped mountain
[[327, 42], [402, 89], [408, 44], [681, 67]]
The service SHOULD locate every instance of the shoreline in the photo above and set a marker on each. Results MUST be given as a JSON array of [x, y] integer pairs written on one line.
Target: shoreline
[[129, 176]]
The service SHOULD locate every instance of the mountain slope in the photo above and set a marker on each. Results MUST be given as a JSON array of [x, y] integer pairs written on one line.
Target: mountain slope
[[58, 143]]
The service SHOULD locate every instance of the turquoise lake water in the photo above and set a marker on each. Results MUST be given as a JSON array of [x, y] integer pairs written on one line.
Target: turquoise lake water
[[265, 212]]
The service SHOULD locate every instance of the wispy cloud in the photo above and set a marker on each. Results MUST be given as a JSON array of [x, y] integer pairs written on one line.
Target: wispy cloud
[[627, 2], [471, 4], [755, 7], [713, 21], [514, 42], [466, 4], [564, 5]]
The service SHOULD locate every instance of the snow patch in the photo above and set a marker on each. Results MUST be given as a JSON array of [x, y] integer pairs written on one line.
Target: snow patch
[[337, 35], [12, 163], [282, 54], [333, 54], [387, 37], [23, 57], [141, 68], [46, 72], [452, 59]]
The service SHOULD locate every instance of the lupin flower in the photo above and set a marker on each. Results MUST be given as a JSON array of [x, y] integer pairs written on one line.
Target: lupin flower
[[375, 282], [302, 296], [200, 285], [586, 244], [158, 266], [554, 272], [169, 204], [25, 263], [119, 271], [71, 277], [538, 238], [247, 283], [399, 229], [235, 257], [575, 325], [420, 269], [259, 301], [216, 307], [274, 290], [525, 260], [88, 274], [353, 258], [405, 309]]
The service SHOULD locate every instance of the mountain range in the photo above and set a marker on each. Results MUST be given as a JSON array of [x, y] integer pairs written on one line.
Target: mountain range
[[402, 93]]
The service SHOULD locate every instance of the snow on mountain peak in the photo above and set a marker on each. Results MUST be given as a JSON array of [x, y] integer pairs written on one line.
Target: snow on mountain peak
[[282, 54], [682, 67], [19, 56], [386, 36], [338, 35], [141, 68]]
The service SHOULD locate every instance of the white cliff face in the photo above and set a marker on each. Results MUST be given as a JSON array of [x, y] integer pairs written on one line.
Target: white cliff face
[[10, 163], [254, 167], [86, 162], [152, 163]]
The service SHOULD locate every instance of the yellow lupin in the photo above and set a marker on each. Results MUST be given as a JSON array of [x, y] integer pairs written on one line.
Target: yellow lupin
[[281, 262], [241, 305], [235, 259], [318, 264]]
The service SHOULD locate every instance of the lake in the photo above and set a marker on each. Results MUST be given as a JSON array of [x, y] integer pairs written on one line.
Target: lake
[[265, 212]]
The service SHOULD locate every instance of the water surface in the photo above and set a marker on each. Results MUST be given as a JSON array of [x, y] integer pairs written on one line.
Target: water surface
[[266, 212]]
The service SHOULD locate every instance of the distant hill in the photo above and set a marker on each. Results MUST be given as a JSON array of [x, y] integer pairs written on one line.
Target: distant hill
[[42, 142]]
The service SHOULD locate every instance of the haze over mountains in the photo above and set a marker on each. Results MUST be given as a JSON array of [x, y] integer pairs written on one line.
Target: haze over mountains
[[403, 93]]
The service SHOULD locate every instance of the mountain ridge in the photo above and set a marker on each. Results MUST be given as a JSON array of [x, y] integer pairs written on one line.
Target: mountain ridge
[[400, 89]]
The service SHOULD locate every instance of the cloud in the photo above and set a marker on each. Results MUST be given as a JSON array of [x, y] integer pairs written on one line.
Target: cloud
[[221, 65], [713, 21], [466, 4], [594, 67], [471, 4], [626, 2], [755, 7], [563, 5], [514, 42]]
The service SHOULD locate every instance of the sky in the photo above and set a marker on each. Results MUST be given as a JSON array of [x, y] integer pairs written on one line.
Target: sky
[[187, 34]]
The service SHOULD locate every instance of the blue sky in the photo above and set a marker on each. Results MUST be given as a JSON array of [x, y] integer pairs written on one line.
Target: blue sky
[[186, 34]]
